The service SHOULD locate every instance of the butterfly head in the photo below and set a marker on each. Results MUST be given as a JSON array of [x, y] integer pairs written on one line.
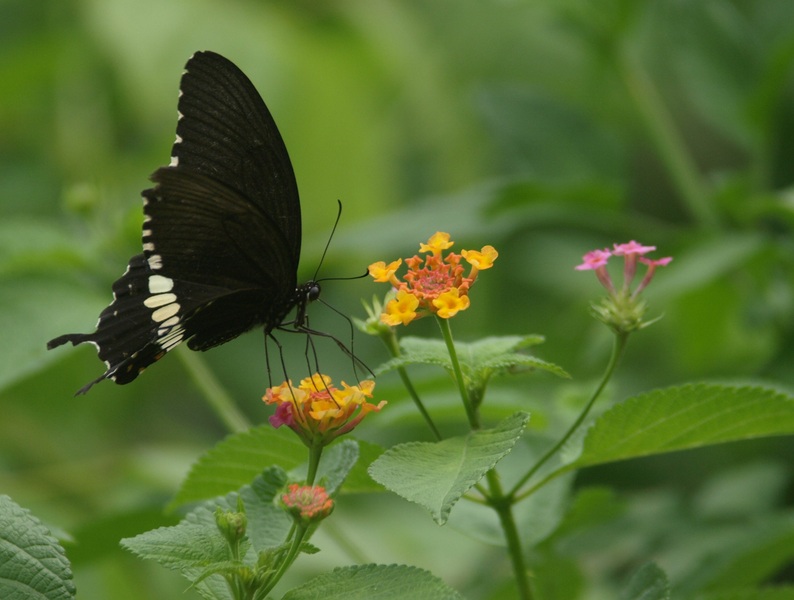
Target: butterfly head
[[312, 290]]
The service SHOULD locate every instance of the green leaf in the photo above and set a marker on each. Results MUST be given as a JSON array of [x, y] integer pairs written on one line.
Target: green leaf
[[358, 480], [648, 583], [436, 475], [685, 417], [374, 582], [267, 522], [195, 546], [478, 360], [336, 463], [32, 562], [240, 457], [190, 547], [536, 516], [237, 460]]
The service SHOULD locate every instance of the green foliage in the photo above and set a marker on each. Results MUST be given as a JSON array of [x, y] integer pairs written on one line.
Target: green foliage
[[197, 549], [32, 562], [479, 360], [240, 457], [203, 551], [375, 582], [686, 417], [544, 128], [437, 475], [649, 583], [236, 461]]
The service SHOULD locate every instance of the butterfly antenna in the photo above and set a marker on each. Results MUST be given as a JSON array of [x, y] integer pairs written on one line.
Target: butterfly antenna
[[327, 245], [330, 237]]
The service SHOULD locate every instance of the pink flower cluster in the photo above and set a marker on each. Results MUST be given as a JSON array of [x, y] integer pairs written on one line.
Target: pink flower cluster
[[632, 252]]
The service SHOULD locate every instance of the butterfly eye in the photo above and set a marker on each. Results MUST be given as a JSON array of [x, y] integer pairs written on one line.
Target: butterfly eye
[[313, 293]]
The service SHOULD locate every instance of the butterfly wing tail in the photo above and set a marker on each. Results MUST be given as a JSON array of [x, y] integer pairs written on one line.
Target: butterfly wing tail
[[123, 371], [74, 338]]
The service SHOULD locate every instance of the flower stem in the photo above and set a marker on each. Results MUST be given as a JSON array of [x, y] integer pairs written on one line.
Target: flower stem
[[471, 413], [503, 505], [390, 340], [618, 347], [315, 452], [213, 391], [286, 562]]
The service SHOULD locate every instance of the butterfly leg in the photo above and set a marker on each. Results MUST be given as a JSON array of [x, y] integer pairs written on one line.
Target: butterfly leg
[[269, 335]]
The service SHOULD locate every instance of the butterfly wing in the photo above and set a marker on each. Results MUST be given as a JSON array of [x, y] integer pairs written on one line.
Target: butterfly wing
[[221, 232], [229, 264], [226, 131]]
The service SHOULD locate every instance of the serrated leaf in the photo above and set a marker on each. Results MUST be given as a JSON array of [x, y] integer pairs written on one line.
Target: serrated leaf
[[535, 517], [479, 360], [648, 583], [267, 523], [685, 417], [374, 582], [195, 545], [32, 562], [436, 475]]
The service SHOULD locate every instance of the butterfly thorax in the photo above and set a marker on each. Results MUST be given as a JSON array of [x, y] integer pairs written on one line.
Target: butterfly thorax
[[305, 294]]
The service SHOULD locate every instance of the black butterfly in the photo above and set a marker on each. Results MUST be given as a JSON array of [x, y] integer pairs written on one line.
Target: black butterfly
[[221, 233]]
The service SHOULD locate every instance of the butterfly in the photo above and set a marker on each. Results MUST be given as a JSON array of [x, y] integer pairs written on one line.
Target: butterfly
[[221, 233]]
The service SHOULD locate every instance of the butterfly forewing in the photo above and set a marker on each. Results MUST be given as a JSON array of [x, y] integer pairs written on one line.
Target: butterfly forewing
[[198, 229], [226, 131], [221, 232]]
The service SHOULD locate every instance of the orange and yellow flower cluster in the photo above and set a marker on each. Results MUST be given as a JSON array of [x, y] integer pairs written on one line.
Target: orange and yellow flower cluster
[[317, 410], [435, 283]]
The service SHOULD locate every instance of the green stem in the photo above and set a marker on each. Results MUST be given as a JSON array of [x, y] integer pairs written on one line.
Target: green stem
[[390, 340], [216, 396], [471, 413], [536, 486], [503, 505], [667, 139], [618, 346], [298, 530], [290, 557], [315, 452]]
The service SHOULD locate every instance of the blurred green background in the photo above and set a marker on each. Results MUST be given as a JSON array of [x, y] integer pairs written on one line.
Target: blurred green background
[[545, 128]]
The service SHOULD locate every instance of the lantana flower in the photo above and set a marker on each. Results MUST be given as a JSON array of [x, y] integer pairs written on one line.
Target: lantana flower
[[622, 310], [435, 283], [317, 410], [307, 503]]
